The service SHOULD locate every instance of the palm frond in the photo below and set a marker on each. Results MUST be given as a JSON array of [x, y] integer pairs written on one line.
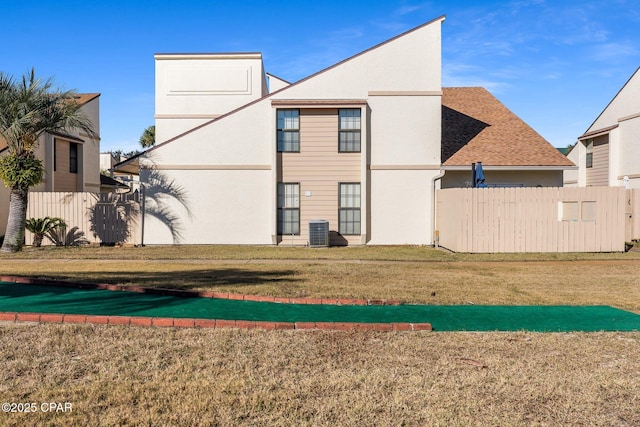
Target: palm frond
[[32, 106], [42, 225], [61, 237]]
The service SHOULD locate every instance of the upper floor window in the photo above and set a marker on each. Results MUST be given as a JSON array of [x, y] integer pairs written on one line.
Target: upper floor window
[[73, 157], [349, 130], [590, 153], [55, 154], [288, 130]]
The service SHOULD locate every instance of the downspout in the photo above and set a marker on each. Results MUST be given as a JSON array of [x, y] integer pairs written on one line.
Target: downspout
[[142, 209], [436, 232]]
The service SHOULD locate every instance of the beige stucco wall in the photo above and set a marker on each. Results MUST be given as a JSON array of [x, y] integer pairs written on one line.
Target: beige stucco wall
[[625, 103], [505, 178], [192, 89], [579, 158], [227, 173], [170, 127], [570, 177], [629, 143], [401, 207], [218, 206], [411, 63], [276, 83], [405, 130]]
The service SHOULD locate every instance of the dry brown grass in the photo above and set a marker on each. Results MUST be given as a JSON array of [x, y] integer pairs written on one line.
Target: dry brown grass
[[244, 252], [183, 377], [136, 376], [592, 282]]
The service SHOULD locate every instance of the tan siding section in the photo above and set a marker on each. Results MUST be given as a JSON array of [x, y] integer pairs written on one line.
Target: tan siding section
[[599, 173], [531, 219], [319, 167], [63, 180]]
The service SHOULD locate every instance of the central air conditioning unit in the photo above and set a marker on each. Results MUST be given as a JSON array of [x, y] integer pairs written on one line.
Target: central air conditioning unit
[[318, 233]]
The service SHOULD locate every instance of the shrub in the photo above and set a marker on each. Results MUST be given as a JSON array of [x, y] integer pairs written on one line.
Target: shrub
[[41, 226], [61, 237]]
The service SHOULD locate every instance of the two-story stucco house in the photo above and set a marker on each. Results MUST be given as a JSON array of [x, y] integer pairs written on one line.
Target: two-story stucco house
[[357, 145]]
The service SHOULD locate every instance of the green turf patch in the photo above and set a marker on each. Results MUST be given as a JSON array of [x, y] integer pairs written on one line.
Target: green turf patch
[[61, 300]]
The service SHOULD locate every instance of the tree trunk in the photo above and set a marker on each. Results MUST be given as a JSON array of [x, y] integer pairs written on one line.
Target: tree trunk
[[37, 239], [14, 236]]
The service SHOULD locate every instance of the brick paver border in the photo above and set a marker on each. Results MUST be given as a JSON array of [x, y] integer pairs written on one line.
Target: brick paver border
[[202, 323]]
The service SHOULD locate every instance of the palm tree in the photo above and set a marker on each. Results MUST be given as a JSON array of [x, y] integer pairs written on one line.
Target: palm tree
[[30, 107], [148, 138]]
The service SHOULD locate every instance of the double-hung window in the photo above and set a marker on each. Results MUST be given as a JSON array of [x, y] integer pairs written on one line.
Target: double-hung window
[[73, 157], [288, 130], [349, 130], [288, 208], [349, 208]]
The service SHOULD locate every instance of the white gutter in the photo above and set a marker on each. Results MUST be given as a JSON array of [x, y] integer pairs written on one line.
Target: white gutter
[[511, 168]]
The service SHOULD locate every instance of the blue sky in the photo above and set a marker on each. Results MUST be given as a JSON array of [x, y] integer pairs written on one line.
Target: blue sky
[[556, 64]]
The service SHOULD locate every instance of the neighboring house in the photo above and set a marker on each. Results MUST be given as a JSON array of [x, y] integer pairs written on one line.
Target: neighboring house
[[570, 177], [476, 127], [357, 145], [608, 153], [111, 185], [110, 181], [71, 160], [107, 161]]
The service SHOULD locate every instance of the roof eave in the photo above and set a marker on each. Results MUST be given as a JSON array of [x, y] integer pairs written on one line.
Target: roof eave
[[129, 166], [510, 168], [67, 136], [597, 132]]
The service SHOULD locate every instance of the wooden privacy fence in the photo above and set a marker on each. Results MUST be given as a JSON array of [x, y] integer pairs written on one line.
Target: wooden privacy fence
[[105, 218], [486, 220]]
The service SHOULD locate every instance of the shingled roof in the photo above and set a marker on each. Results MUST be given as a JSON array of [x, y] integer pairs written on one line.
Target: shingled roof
[[83, 98], [476, 127]]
